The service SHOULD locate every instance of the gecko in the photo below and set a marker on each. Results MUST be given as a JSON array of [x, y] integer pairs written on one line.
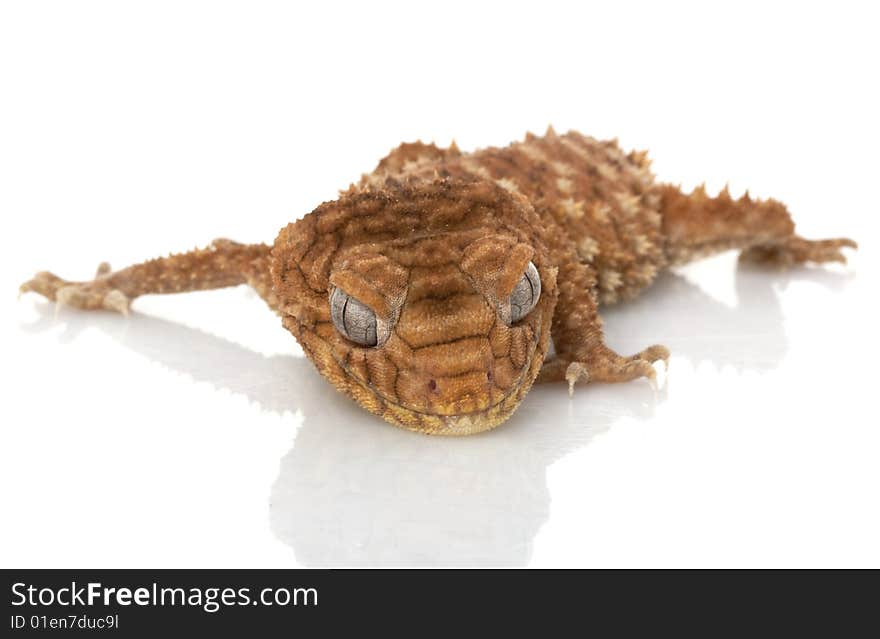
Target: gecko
[[431, 290]]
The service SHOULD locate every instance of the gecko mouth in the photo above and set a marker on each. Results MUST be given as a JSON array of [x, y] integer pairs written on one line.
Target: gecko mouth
[[464, 423], [466, 420], [456, 424]]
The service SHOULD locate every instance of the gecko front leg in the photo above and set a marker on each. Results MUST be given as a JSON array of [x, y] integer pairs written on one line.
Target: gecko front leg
[[223, 263], [581, 352]]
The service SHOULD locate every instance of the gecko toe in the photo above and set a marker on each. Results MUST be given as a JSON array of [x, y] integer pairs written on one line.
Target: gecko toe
[[655, 353], [43, 283], [69, 295], [644, 368], [575, 372], [608, 366], [92, 296], [116, 300], [798, 250]]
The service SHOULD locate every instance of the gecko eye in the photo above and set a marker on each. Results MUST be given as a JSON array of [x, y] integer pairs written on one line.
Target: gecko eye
[[525, 295], [354, 319]]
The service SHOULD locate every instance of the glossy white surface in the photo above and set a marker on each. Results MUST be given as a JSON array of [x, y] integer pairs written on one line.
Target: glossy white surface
[[195, 434]]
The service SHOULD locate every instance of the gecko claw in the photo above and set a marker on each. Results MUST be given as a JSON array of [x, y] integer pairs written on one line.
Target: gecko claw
[[116, 300], [652, 380], [654, 353], [575, 372]]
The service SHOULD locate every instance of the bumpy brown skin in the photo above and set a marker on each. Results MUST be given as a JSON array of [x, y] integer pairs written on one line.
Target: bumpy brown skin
[[435, 240]]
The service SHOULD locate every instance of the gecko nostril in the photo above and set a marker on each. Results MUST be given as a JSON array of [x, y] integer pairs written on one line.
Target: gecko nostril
[[489, 375], [432, 385]]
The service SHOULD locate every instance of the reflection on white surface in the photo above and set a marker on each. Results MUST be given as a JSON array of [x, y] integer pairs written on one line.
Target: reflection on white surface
[[354, 491], [747, 334], [351, 493]]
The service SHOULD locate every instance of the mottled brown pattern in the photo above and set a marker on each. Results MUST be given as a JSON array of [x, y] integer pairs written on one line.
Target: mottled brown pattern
[[603, 200], [434, 242]]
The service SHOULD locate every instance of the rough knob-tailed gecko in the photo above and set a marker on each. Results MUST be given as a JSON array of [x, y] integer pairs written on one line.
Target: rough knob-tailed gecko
[[429, 291]]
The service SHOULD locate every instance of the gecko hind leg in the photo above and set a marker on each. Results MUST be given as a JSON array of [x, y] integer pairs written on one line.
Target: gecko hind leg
[[797, 250], [697, 225], [224, 263]]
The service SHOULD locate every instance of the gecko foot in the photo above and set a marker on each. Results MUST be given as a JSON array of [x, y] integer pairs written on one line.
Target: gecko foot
[[606, 366], [94, 295], [797, 250]]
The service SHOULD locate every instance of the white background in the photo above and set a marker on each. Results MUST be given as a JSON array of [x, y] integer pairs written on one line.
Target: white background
[[195, 434]]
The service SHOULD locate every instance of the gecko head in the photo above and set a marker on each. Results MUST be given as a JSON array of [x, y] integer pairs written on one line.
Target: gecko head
[[430, 304]]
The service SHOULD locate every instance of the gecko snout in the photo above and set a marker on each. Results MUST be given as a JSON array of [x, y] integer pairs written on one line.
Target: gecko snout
[[446, 378]]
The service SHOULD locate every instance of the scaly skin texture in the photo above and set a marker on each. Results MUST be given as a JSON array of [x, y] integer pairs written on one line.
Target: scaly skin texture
[[434, 242]]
